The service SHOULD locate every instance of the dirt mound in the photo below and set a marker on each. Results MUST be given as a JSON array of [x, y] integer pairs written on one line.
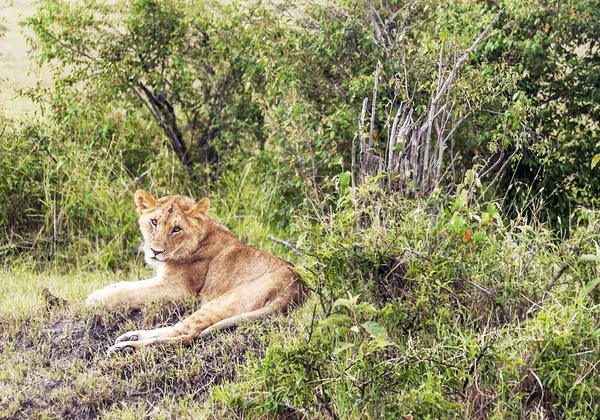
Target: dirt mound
[[75, 378]]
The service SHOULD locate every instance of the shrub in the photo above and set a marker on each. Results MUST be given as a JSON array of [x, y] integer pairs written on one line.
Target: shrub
[[437, 308]]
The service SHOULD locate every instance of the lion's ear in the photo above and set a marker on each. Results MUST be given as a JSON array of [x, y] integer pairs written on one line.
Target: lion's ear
[[201, 208], [144, 201]]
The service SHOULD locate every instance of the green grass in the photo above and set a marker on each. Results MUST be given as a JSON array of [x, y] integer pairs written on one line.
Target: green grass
[[21, 287], [426, 323], [435, 308]]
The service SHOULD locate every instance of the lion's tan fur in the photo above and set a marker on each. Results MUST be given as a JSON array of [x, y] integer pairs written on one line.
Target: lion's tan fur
[[194, 254]]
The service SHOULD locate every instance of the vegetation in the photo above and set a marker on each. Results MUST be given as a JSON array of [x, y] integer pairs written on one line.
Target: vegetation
[[429, 166]]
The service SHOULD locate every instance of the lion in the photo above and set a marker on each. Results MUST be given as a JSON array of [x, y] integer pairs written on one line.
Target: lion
[[195, 255]]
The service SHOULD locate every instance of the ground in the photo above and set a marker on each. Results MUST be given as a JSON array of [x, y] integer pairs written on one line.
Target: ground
[[53, 359]]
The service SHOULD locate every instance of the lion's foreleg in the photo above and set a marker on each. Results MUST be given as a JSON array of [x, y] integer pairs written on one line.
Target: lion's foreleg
[[134, 294]]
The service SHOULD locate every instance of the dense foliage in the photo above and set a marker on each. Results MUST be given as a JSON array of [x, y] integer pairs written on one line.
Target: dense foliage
[[430, 163], [440, 310]]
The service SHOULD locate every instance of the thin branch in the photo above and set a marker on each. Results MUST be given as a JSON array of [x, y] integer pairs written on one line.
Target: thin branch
[[139, 177], [478, 286], [353, 162], [285, 243], [500, 171], [446, 85], [70, 48], [374, 104]]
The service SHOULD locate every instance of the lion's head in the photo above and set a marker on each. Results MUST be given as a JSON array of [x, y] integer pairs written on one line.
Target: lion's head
[[173, 227]]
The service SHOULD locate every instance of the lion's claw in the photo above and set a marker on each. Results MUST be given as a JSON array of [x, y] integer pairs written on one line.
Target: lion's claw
[[127, 337], [122, 343], [124, 349]]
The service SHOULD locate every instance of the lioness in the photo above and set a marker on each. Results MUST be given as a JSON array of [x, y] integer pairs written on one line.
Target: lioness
[[194, 254]]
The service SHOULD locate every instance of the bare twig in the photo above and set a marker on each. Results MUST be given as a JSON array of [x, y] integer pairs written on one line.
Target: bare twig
[[353, 162], [417, 168], [139, 177], [362, 135], [501, 170], [478, 286], [373, 105], [558, 275], [448, 82], [285, 243], [478, 358], [392, 141]]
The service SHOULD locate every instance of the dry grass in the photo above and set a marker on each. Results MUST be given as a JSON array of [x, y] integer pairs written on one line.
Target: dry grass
[[54, 363]]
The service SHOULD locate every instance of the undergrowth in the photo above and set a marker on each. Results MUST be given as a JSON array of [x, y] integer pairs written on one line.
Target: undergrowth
[[434, 308], [437, 309], [68, 206]]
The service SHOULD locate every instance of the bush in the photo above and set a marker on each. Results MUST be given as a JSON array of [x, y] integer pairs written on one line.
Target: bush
[[179, 64], [437, 308]]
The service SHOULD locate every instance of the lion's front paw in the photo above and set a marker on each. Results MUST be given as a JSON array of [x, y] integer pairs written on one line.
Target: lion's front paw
[[130, 336], [123, 348], [95, 299]]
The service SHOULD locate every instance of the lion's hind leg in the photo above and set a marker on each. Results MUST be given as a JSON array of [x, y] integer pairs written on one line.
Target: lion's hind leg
[[273, 292], [169, 335]]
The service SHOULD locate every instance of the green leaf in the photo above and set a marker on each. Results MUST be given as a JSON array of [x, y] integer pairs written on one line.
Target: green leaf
[[485, 219], [335, 319], [444, 34], [342, 302], [365, 307], [479, 237], [297, 110], [458, 223], [376, 330], [589, 258], [343, 346], [458, 202], [595, 160], [587, 289], [341, 330], [345, 179]]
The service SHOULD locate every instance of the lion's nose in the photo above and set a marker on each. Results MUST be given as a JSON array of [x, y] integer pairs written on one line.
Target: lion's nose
[[157, 252]]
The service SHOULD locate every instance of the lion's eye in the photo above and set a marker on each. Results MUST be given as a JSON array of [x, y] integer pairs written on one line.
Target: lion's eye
[[153, 222], [176, 229]]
